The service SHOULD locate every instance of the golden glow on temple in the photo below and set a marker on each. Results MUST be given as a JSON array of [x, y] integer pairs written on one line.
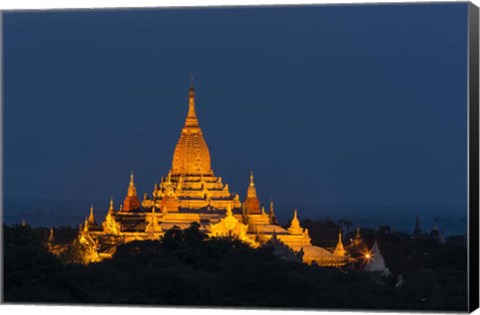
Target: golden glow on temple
[[191, 192], [191, 156]]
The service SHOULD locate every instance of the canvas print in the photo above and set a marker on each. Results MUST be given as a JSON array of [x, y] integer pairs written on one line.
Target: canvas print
[[304, 157]]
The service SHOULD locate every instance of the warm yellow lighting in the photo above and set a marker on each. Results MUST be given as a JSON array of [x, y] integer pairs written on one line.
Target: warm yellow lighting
[[183, 196]]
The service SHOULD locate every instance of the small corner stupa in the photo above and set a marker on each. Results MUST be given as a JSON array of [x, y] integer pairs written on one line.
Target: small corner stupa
[[251, 205], [131, 202], [339, 249]]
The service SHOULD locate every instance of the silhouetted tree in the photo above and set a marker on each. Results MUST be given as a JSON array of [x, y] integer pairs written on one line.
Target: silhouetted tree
[[186, 268]]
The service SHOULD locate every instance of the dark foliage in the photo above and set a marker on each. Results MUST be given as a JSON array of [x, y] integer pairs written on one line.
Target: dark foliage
[[187, 269]]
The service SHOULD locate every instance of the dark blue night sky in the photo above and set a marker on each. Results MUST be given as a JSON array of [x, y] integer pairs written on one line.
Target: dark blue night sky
[[326, 104]]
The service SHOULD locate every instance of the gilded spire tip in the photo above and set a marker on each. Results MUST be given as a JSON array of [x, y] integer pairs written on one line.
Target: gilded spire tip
[[251, 179], [191, 116], [91, 217]]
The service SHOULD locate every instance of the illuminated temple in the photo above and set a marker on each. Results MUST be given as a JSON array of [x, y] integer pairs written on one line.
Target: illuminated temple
[[191, 192]]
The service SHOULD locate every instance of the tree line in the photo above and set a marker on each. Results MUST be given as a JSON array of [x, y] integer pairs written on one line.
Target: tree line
[[186, 268]]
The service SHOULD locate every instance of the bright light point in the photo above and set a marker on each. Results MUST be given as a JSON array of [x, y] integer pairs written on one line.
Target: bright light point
[[367, 255]]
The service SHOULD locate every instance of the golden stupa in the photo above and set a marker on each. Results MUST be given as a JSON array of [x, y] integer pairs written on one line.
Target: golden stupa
[[191, 192]]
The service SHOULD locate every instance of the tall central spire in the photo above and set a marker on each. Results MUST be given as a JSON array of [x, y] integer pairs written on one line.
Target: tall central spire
[[191, 120], [191, 156]]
